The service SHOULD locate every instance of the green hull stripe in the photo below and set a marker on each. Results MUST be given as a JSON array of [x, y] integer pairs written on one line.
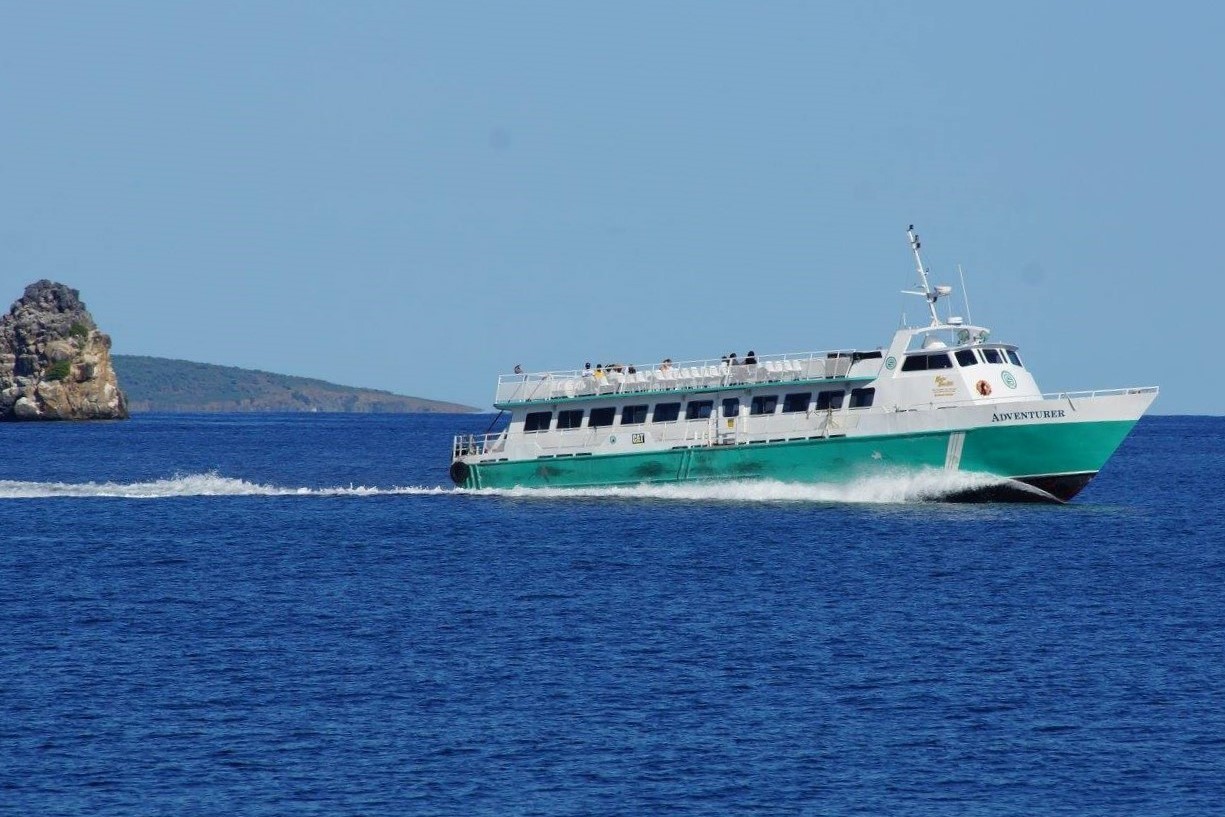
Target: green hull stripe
[[1006, 451]]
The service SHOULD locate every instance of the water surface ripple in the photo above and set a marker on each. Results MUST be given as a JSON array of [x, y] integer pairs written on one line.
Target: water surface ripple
[[297, 615]]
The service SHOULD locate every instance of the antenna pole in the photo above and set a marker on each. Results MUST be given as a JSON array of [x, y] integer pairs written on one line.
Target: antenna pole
[[965, 294], [918, 260]]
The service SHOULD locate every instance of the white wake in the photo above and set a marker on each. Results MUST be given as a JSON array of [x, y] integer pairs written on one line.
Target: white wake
[[896, 487], [929, 485], [189, 485]]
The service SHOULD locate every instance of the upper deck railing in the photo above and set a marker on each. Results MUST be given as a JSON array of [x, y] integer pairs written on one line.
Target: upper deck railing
[[693, 374]]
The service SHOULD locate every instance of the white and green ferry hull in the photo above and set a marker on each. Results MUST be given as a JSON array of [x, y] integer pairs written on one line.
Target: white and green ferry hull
[[944, 396], [1057, 457]]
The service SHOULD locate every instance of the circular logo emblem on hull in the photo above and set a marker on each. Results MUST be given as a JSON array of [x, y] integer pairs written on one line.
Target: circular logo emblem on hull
[[1009, 380]]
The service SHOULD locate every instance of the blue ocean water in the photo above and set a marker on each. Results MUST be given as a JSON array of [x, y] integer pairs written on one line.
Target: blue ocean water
[[279, 615]]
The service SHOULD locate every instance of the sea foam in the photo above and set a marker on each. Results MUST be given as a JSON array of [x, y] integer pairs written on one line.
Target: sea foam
[[894, 487]]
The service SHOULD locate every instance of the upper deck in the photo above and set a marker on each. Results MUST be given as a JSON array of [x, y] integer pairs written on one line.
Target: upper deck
[[692, 375]]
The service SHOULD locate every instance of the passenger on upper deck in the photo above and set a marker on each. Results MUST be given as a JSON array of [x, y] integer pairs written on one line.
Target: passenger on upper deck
[[751, 358], [666, 366], [587, 369]]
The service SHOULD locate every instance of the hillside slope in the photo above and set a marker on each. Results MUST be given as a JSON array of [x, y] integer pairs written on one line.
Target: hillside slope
[[164, 385]]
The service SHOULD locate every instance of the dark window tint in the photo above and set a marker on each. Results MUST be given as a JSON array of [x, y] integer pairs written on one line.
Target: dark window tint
[[1016, 360], [570, 419], [915, 363], [940, 361], [602, 417], [666, 412], [797, 402], [830, 400], [862, 398], [993, 355], [966, 357], [731, 407], [537, 421], [699, 409], [632, 415], [764, 404]]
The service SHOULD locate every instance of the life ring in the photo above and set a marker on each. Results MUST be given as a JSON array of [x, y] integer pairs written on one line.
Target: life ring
[[983, 388]]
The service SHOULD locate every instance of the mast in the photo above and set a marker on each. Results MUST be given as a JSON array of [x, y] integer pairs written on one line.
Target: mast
[[929, 292]]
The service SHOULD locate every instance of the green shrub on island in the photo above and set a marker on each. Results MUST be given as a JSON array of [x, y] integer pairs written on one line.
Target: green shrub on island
[[59, 370], [79, 330]]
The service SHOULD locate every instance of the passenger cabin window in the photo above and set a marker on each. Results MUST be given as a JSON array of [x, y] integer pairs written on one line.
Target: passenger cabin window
[[633, 415], [731, 407], [764, 404], [796, 402], [699, 409], [666, 412], [830, 400], [919, 363], [993, 355], [1016, 360], [862, 398], [537, 421], [602, 417], [572, 418], [966, 357]]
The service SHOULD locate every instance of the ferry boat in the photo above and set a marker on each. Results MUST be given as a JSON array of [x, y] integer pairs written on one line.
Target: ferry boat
[[941, 396]]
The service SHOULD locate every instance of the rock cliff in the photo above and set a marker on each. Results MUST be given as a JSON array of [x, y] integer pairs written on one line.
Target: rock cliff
[[54, 363]]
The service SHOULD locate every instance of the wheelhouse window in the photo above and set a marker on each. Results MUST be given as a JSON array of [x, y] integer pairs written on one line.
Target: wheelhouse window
[[993, 355], [572, 418], [633, 415], [666, 412], [1015, 358], [966, 357], [537, 421], [699, 409], [828, 400], [602, 417], [862, 398], [764, 404], [796, 402], [939, 361], [915, 363]]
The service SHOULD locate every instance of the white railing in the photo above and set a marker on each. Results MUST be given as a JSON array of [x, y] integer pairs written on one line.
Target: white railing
[[1088, 395], [469, 444], [694, 374]]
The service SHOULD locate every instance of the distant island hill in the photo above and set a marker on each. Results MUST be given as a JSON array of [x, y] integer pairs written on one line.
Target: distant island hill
[[156, 384]]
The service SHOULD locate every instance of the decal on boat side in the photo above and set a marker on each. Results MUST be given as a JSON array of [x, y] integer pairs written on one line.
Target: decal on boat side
[[1016, 416]]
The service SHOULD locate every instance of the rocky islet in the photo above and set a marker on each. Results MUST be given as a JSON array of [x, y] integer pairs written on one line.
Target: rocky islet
[[54, 362]]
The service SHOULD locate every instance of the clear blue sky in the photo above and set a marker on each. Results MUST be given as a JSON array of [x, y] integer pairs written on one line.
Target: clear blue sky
[[418, 196]]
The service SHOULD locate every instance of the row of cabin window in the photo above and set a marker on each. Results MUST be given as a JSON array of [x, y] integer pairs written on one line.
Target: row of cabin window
[[696, 409], [965, 357]]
